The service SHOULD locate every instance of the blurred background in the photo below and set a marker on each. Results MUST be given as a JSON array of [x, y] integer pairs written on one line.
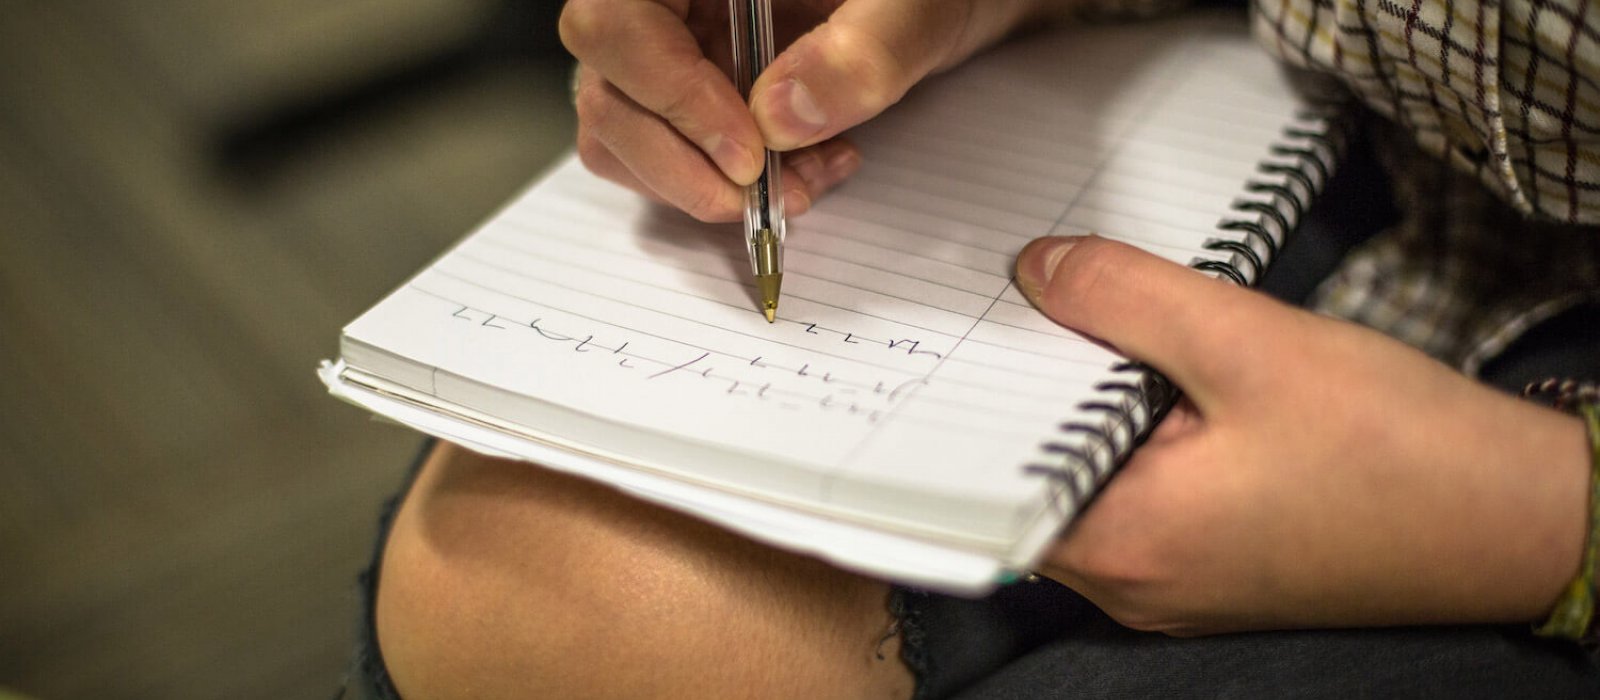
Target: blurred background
[[195, 195]]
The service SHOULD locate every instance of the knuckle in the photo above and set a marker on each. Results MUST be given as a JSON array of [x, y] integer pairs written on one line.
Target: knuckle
[[581, 25], [595, 106], [880, 75], [592, 153], [680, 104], [708, 204]]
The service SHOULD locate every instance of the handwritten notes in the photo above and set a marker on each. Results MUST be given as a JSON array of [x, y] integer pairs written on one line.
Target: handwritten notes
[[906, 373]]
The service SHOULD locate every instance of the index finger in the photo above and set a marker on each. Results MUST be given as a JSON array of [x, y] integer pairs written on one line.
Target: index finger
[[645, 49]]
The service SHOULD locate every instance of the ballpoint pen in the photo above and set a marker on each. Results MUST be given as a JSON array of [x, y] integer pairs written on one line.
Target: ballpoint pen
[[763, 199]]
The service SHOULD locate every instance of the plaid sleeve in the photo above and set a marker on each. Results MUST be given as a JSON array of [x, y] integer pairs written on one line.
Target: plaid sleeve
[[1507, 91]]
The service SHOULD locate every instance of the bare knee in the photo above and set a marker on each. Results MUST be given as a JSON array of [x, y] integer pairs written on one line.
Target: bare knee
[[504, 580]]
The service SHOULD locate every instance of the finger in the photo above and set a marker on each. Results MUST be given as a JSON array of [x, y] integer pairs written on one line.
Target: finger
[[644, 48], [620, 141], [798, 194], [1182, 422], [1123, 551], [601, 161], [863, 59], [821, 167], [1180, 321], [656, 155]]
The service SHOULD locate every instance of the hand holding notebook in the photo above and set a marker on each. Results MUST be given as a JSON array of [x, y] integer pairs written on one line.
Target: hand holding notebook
[[1317, 474]]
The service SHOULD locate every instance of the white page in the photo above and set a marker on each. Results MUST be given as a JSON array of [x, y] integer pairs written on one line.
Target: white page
[[906, 381]]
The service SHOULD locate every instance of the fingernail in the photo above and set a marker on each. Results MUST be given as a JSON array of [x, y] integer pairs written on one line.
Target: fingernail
[[844, 164], [1037, 263], [735, 161], [810, 168], [795, 202], [794, 112]]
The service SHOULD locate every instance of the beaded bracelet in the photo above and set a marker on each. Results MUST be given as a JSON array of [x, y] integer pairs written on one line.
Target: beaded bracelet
[[1573, 615]]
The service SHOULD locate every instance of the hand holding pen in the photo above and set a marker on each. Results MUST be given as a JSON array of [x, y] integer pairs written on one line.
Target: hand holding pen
[[659, 113]]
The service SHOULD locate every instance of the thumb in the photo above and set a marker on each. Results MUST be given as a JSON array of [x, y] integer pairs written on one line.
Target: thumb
[[1191, 327], [864, 58]]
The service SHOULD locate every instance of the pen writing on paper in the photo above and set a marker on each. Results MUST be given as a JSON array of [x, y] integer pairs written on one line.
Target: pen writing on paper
[[908, 345], [761, 378]]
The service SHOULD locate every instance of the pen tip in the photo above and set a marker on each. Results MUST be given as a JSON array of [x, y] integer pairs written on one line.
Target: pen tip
[[769, 286]]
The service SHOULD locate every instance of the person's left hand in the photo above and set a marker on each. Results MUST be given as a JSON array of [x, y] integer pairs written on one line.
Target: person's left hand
[[1316, 474]]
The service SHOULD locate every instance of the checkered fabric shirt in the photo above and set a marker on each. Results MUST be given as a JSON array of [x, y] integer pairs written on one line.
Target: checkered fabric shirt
[[1480, 97]]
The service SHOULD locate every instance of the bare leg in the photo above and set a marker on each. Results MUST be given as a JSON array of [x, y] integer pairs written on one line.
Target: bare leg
[[503, 580]]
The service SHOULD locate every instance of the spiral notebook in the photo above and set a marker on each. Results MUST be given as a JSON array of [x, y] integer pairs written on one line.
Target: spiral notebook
[[910, 415]]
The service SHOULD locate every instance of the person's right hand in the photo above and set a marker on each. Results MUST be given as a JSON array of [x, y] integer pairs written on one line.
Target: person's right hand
[[658, 113]]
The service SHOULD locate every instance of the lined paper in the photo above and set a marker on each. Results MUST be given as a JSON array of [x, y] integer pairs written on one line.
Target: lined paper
[[906, 380]]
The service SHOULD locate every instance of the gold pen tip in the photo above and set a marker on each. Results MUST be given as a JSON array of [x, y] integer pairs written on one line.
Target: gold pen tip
[[769, 285]]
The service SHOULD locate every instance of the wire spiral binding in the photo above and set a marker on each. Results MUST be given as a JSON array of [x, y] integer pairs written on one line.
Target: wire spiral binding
[[1095, 443]]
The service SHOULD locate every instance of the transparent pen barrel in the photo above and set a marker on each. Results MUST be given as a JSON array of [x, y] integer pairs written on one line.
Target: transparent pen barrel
[[751, 21], [763, 217]]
